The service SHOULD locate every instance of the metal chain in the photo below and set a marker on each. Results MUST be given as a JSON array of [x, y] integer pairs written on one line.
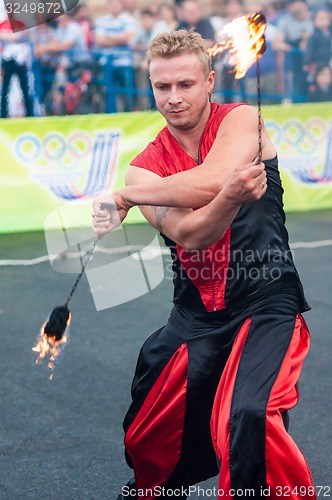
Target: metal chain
[[259, 106], [85, 263]]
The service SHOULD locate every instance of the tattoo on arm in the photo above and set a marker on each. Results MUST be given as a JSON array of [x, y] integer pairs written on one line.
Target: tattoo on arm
[[160, 214]]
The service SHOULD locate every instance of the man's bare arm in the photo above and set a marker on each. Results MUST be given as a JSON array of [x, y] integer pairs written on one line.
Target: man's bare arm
[[192, 229], [236, 144]]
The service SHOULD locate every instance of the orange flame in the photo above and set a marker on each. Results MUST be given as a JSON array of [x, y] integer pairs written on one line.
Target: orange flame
[[244, 39], [49, 348]]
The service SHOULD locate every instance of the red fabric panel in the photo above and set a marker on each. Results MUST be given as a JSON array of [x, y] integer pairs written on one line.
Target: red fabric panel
[[207, 270], [222, 407], [153, 441], [288, 474]]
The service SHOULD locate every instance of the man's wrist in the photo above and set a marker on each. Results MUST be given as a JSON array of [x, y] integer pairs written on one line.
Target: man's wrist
[[125, 202]]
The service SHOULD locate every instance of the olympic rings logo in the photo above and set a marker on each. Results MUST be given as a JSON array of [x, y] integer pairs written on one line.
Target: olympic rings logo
[[305, 138], [54, 148]]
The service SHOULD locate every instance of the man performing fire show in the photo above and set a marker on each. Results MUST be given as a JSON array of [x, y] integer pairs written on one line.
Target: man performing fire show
[[213, 387]]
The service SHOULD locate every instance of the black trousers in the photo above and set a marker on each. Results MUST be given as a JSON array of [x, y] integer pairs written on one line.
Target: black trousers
[[210, 394], [10, 68]]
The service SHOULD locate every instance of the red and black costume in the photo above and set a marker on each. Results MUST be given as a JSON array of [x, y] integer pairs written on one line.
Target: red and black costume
[[212, 388]]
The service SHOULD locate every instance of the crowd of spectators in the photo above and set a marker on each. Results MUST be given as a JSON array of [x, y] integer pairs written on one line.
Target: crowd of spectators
[[80, 62]]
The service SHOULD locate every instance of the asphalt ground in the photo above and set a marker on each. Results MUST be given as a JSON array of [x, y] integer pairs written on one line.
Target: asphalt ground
[[63, 439]]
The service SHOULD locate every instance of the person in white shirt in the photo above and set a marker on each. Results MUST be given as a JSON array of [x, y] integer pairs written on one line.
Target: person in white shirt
[[16, 60], [114, 35]]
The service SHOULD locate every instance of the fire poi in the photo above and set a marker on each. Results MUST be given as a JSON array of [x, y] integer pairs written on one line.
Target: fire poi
[[244, 39], [54, 332]]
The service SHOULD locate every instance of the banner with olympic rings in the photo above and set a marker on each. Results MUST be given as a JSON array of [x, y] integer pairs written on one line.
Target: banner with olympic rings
[[302, 135], [47, 162]]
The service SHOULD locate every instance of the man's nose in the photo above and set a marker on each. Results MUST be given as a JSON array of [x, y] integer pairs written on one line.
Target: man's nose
[[174, 96]]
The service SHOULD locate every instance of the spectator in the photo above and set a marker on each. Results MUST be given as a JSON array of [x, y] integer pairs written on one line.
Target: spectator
[[313, 4], [69, 42], [167, 13], [233, 9], [192, 18], [45, 61], [225, 73], [321, 90], [70, 47], [229, 10], [294, 31], [16, 60], [276, 10], [149, 28], [319, 44], [131, 8], [82, 17], [114, 35]]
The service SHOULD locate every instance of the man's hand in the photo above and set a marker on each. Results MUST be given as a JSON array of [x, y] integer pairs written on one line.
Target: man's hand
[[246, 183], [109, 210]]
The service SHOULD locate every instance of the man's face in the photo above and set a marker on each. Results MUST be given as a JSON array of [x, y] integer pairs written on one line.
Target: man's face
[[324, 78], [115, 7], [181, 90], [147, 21], [191, 12], [322, 19], [299, 10]]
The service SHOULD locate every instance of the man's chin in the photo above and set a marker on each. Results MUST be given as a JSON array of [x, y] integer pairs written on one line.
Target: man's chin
[[181, 124]]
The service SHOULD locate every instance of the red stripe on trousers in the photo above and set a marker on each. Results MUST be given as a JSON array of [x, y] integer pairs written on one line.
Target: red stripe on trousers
[[286, 468], [287, 473], [153, 440]]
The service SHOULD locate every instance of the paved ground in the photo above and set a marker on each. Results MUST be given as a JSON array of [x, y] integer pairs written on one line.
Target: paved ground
[[63, 439]]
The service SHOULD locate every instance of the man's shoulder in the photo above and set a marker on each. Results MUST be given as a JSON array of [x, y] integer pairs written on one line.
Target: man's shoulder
[[157, 155], [158, 143], [220, 111]]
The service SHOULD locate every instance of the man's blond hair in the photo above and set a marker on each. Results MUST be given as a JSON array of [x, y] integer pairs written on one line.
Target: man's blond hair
[[177, 43]]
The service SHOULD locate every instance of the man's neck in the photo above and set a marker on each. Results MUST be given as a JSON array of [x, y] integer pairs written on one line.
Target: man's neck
[[190, 139]]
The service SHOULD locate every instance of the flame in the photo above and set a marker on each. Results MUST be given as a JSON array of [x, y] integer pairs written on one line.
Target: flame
[[49, 348], [244, 40]]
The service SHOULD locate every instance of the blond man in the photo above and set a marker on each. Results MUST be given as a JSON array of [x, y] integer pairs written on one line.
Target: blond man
[[212, 388]]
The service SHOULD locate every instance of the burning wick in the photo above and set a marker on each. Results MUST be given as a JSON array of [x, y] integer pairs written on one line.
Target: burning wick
[[244, 39], [53, 336], [54, 332]]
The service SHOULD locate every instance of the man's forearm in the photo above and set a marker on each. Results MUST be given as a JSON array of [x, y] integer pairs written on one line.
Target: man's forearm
[[190, 189], [203, 227]]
